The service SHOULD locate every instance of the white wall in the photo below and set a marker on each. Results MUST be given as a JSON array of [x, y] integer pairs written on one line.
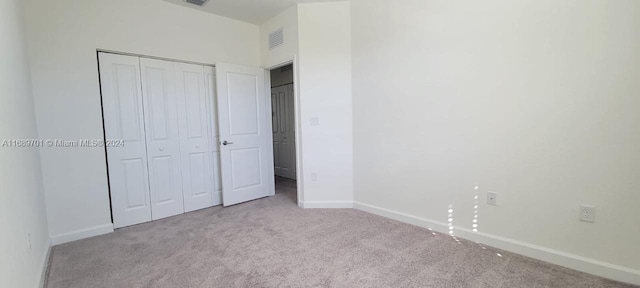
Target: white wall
[[323, 88], [536, 100], [324, 84], [22, 208], [288, 21], [63, 36]]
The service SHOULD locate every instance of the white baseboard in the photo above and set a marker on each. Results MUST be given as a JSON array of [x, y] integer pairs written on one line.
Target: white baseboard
[[81, 234], [44, 265], [583, 264], [326, 204]]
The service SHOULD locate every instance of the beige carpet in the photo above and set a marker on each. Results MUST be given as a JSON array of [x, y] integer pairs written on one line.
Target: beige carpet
[[272, 243]]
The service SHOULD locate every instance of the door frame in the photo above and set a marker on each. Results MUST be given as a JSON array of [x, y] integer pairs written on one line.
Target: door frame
[[297, 121]]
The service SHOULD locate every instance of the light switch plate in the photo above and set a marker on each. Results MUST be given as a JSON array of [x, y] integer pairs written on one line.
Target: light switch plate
[[315, 121], [492, 198]]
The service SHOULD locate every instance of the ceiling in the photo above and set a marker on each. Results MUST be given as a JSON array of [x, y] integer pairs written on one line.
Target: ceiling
[[252, 11]]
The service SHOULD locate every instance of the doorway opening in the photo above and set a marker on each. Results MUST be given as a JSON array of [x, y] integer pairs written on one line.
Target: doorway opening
[[284, 129]]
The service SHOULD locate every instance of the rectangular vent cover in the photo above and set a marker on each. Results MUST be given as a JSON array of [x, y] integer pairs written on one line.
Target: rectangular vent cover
[[197, 2], [276, 38]]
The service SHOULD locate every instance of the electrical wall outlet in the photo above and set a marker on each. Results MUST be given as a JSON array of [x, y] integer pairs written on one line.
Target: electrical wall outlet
[[587, 213], [314, 176], [492, 198]]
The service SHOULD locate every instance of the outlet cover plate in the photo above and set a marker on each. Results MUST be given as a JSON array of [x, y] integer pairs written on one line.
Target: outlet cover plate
[[587, 213]]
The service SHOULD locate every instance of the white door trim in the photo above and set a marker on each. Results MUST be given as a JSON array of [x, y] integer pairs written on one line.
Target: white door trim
[[297, 121]]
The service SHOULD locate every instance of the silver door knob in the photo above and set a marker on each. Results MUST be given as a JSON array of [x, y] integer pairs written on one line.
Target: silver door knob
[[197, 146], [225, 142], [161, 149]]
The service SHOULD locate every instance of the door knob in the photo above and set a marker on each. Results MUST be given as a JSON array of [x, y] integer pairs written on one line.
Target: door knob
[[161, 149], [197, 146], [225, 142]]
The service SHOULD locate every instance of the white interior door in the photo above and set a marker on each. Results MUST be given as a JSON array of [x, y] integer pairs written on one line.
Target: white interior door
[[214, 149], [194, 137], [245, 134], [123, 119], [163, 141], [283, 135]]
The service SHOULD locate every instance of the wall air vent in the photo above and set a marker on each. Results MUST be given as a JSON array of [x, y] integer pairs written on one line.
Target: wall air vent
[[197, 2], [276, 38]]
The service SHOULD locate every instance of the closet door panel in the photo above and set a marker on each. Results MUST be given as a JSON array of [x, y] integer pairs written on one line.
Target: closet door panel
[[123, 119], [214, 136], [163, 141], [194, 136]]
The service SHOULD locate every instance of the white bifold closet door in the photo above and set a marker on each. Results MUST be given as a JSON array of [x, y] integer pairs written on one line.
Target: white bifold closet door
[[163, 139], [194, 141], [165, 112], [124, 119]]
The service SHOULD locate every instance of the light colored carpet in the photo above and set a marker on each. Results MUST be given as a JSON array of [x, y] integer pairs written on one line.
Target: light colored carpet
[[272, 243]]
